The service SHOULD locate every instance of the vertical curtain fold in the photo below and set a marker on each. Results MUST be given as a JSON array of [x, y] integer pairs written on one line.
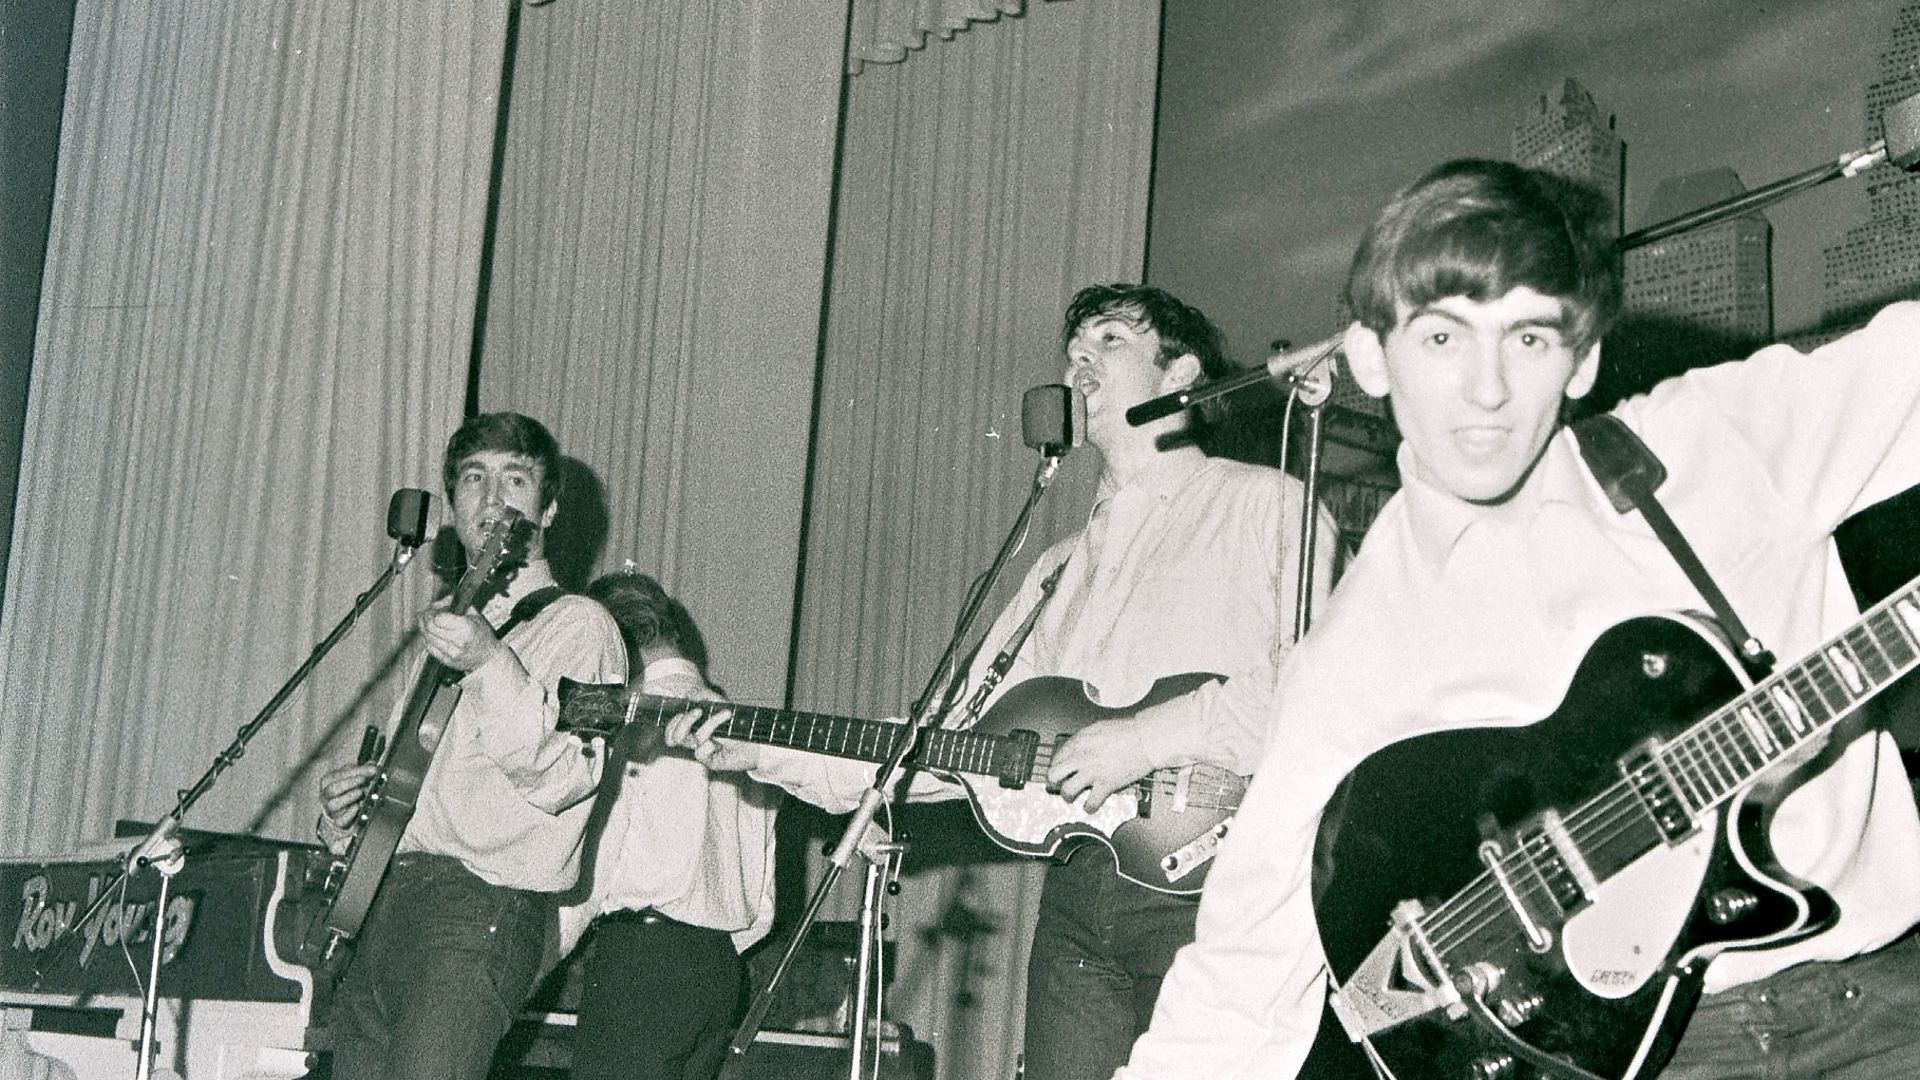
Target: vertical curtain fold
[[982, 183], [656, 289], [254, 325]]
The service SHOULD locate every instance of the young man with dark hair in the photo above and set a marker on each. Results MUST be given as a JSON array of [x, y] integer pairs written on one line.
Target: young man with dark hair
[[1187, 565], [453, 941], [682, 872], [1481, 293]]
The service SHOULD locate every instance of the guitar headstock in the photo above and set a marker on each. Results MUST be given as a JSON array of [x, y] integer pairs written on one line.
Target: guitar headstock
[[503, 546], [591, 710]]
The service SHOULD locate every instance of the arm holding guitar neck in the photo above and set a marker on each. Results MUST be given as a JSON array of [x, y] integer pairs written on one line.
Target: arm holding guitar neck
[[836, 784]]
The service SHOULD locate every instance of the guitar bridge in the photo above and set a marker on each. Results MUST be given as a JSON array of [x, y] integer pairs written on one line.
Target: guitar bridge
[[1400, 980]]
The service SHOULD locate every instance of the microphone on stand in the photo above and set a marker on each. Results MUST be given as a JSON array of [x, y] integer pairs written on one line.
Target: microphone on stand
[[1288, 370], [407, 519], [1053, 419]]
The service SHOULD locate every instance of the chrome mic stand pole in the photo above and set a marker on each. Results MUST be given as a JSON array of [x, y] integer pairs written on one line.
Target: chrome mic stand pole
[[163, 852], [1312, 391], [869, 996]]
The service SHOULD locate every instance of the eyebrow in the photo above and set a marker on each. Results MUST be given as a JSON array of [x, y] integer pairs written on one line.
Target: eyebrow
[[511, 465], [1558, 322]]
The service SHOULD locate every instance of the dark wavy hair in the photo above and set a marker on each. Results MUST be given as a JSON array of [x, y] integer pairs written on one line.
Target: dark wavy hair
[[1182, 327], [646, 616], [511, 433], [1478, 229]]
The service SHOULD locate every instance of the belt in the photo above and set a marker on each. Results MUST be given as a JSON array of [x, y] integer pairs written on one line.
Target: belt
[[643, 917]]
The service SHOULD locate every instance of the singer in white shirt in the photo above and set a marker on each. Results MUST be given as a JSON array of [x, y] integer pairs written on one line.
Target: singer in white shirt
[[1187, 565]]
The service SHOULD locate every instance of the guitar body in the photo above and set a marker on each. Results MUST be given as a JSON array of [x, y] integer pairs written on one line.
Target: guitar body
[[384, 814], [1604, 964], [395, 790], [1175, 811]]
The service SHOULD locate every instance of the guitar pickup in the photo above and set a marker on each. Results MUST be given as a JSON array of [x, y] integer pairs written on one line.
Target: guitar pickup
[[1013, 757]]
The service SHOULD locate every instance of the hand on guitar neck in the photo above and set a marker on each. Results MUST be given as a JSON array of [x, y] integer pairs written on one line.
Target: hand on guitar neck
[[1096, 761], [694, 730]]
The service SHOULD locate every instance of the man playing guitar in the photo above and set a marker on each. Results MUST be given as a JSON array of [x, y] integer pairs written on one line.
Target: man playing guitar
[[1186, 566], [1481, 293], [453, 940]]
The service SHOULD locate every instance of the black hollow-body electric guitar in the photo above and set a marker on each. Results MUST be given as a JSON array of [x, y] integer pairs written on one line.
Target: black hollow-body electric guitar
[[1163, 830], [1543, 900], [395, 790]]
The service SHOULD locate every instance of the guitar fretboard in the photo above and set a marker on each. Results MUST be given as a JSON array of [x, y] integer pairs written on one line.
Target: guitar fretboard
[[1725, 751], [848, 737], [1663, 791]]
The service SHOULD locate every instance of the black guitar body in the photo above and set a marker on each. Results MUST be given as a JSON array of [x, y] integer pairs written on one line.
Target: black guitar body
[[1604, 965]]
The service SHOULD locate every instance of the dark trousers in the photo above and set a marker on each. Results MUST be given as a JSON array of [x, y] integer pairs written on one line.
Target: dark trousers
[[1101, 947], [442, 964], [658, 1001], [1857, 1019]]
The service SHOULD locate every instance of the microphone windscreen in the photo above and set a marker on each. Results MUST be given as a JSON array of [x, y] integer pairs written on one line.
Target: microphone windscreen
[[1047, 418], [407, 516]]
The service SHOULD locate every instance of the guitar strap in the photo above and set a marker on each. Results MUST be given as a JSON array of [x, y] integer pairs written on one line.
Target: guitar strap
[[1003, 662], [1629, 473], [529, 606]]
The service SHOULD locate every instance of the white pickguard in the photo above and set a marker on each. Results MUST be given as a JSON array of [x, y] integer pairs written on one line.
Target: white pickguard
[[1615, 946], [1029, 815]]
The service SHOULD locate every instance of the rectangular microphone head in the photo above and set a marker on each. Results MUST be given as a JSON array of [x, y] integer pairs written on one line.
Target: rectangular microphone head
[[1900, 126], [407, 516], [1053, 417]]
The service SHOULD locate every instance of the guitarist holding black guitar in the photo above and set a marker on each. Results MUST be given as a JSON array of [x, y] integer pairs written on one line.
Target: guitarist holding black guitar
[[482, 799], [1186, 569], [1571, 826]]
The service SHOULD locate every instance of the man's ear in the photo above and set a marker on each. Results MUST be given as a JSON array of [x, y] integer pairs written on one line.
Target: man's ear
[[1366, 359], [1181, 372], [1585, 372], [546, 515]]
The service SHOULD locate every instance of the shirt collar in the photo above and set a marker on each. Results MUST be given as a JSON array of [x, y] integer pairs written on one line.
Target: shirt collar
[[666, 667], [1169, 473], [1438, 519]]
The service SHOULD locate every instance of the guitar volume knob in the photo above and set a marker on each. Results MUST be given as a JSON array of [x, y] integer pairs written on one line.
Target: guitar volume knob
[[1491, 1067], [1730, 905], [1519, 1008]]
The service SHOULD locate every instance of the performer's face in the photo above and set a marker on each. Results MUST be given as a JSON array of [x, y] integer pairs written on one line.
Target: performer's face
[[490, 479], [1114, 361], [1476, 386]]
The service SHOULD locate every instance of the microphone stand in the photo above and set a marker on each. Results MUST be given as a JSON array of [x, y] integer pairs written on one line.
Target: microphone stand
[[162, 849], [885, 777], [1311, 388]]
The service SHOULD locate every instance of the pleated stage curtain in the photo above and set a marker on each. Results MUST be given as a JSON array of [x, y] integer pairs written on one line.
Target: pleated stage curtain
[[656, 289], [255, 325], [983, 180]]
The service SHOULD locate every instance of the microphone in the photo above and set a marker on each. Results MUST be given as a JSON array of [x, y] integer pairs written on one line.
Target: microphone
[[407, 516], [1053, 418], [1900, 125], [1287, 369]]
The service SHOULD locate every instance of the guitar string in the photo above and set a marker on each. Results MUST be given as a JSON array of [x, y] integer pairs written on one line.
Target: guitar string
[[1722, 729], [1483, 901], [1205, 790]]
